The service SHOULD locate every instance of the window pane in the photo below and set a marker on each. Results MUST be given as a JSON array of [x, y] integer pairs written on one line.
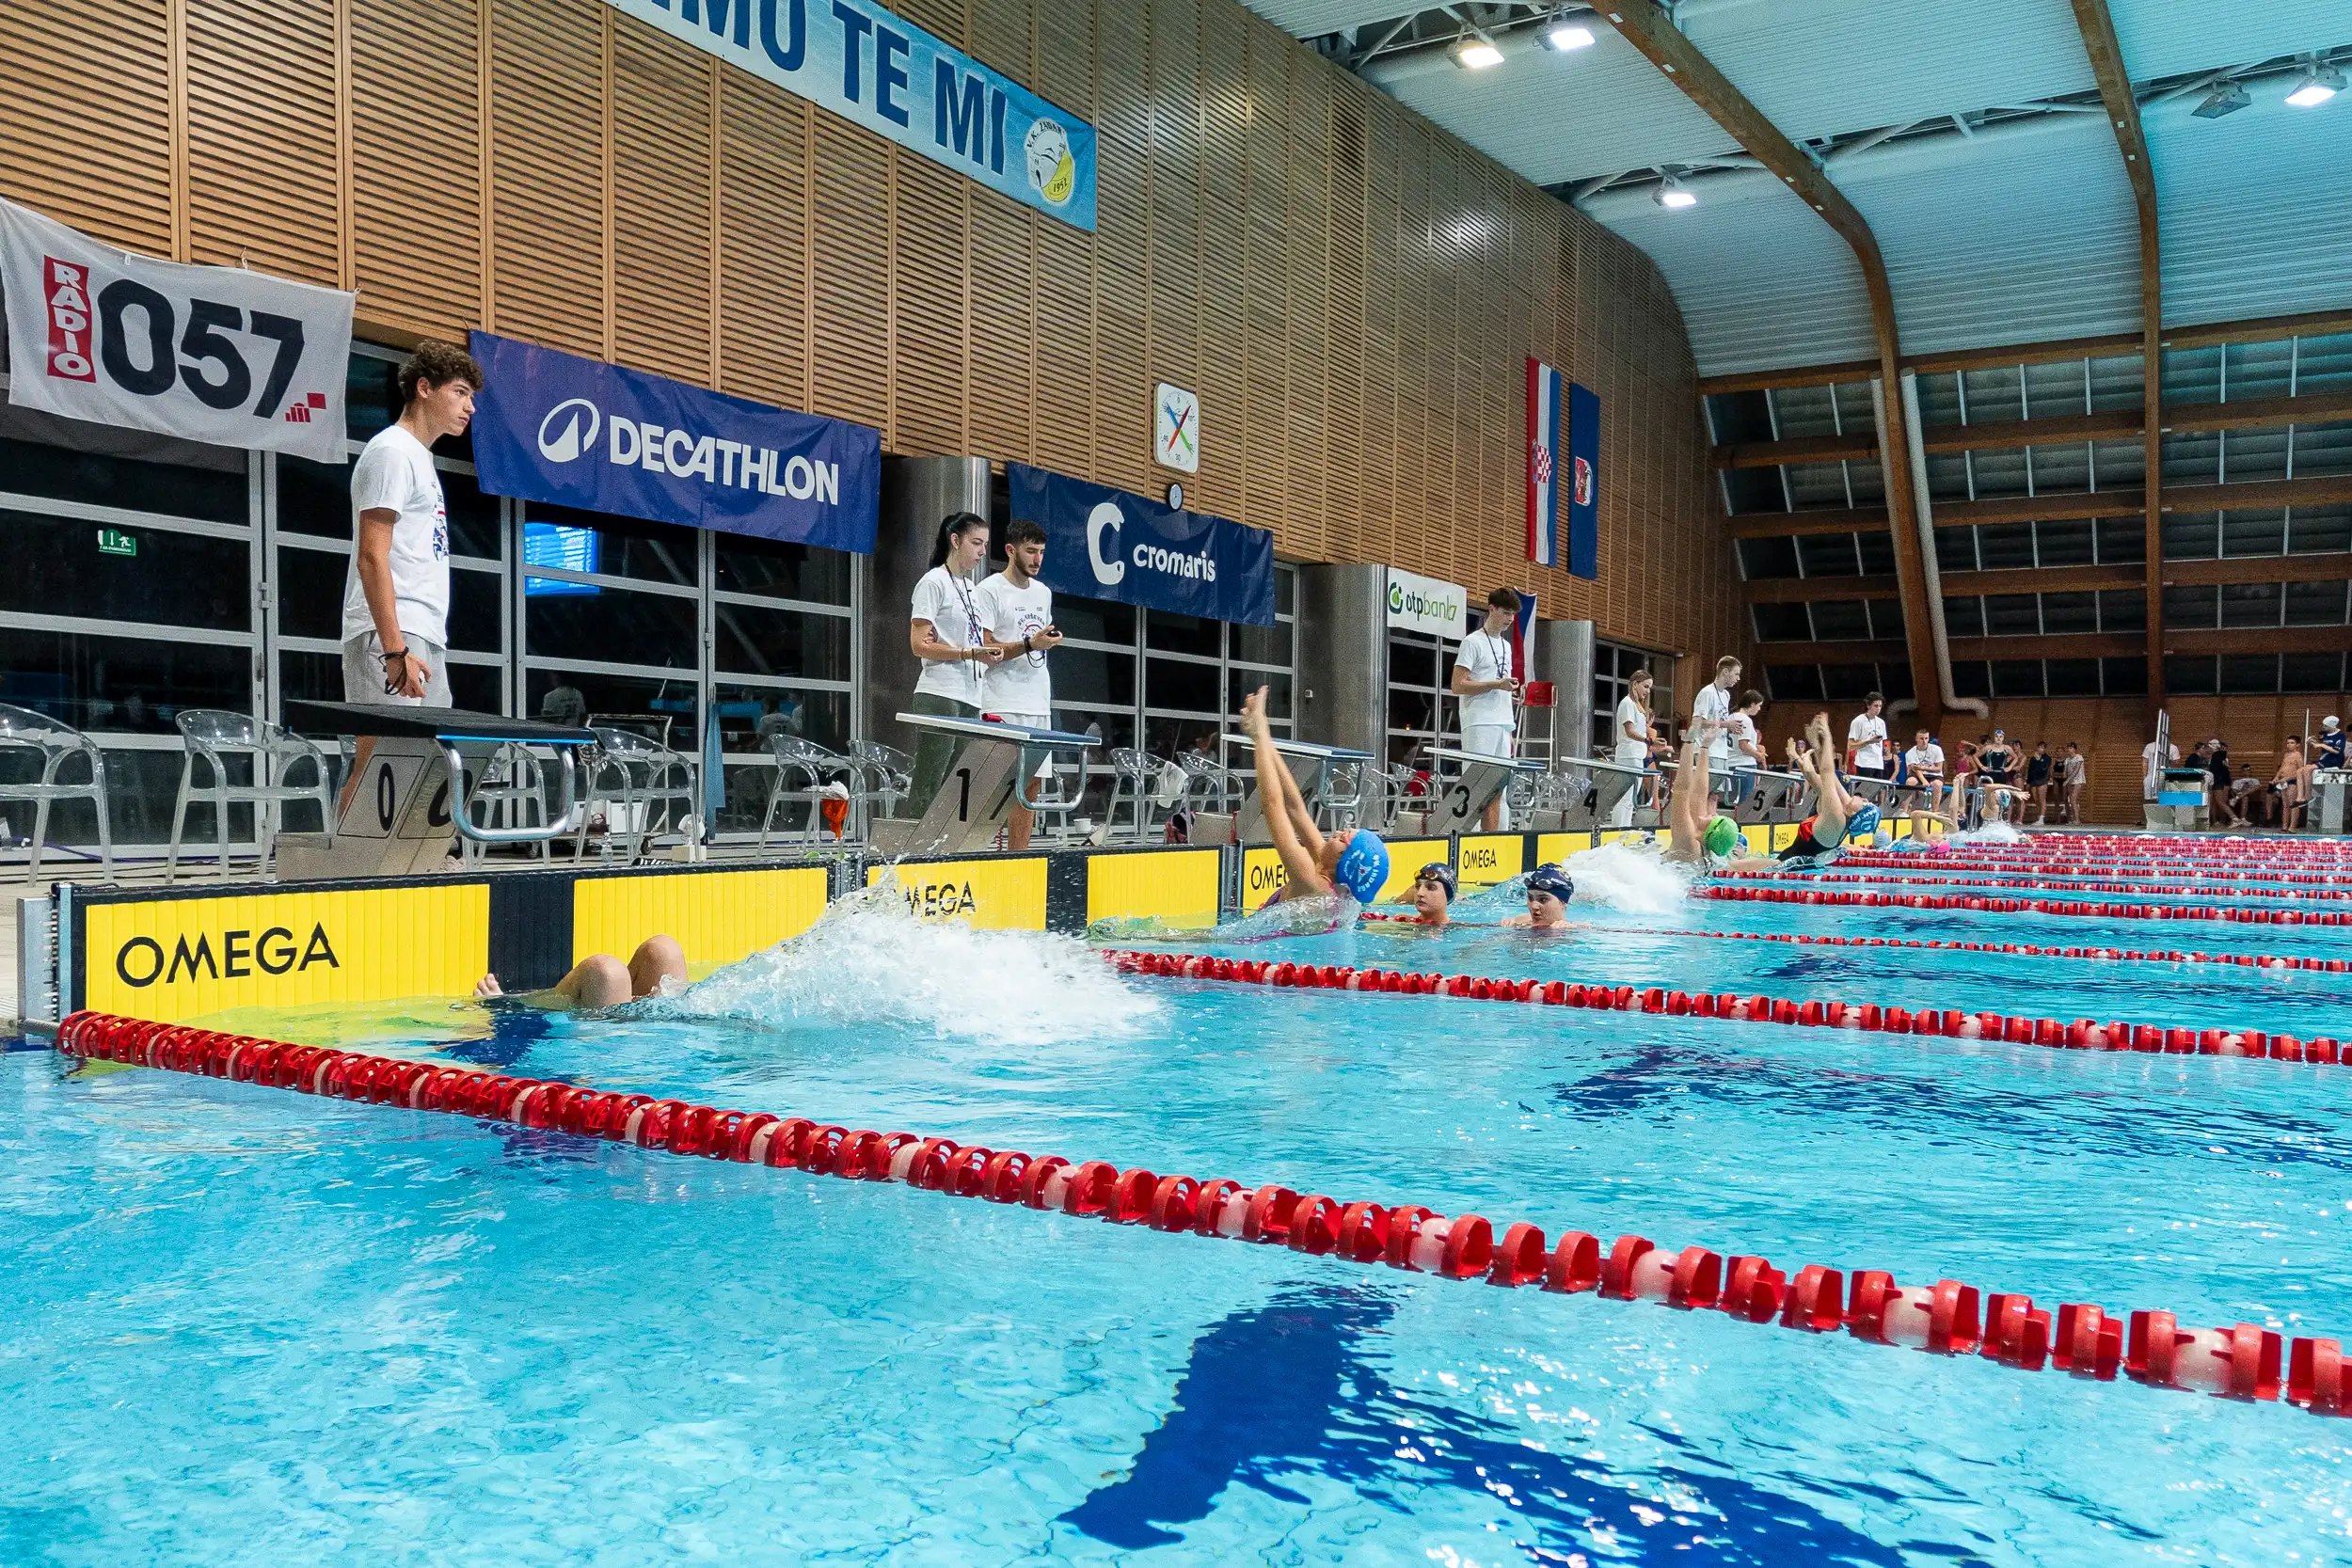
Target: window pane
[[2315, 530], [2066, 543], [2073, 677], [2315, 604], [2122, 610], [477, 687], [120, 682], [1760, 559], [1285, 590], [2191, 535], [2249, 673], [1781, 623], [1166, 631], [1412, 661], [474, 610], [2312, 673], [1241, 682], [780, 570], [1963, 617], [2123, 677], [2189, 675], [1794, 683], [1972, 677], [1093, 676], [2070, 612], [2017, 677], [2012, 615], [662, 710], [310, 677], [311, 588], [780, 642], [1261, 644], [1828, 555], [2191, 605], [2122, 541], [611, 627], [2006, 545], [1840, 620], [1878, 554], [1849, 682], [749, 716], [2250, 604], [55, 568], [626, 547], [1185, 688], [1886, 618], [1095, 620], [314, 497], [205, 483], [1955, 550], [473, 516]]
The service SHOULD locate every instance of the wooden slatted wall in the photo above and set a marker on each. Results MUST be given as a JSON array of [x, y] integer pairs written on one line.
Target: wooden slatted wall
[[1351, 291]]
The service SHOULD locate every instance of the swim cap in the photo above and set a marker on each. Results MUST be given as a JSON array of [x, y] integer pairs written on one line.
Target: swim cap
[[1440, 872], [1722, 837], [1364, 867], [1864, 823], [1548, 878]]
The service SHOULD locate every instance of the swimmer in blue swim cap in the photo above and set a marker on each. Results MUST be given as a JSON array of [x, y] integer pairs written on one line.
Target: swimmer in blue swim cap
[[1549, 890], [1839, 816], [1355, 863]]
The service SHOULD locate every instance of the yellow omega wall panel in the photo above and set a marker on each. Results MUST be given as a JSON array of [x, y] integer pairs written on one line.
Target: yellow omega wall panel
[[717, 916], [1180, 887], [177, 958], [991, 894], [1352, 291]]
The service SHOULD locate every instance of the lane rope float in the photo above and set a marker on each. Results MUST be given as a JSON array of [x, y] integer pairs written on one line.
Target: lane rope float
[[2242, 1361], [2024, 949], [2142, 888], [2083, 1034], [1752, 894]]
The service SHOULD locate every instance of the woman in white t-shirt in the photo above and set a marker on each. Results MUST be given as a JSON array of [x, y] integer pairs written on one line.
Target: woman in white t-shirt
[[1634, 739], [944, 632]]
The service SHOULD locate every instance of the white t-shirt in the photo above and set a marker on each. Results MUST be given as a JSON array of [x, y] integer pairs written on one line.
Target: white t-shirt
[[1867, 737], [1742, 733], [951, 604], [1486, 658], [1713, 701], [1630, 714], [1021, 684], [395, 473], [1924, 759]]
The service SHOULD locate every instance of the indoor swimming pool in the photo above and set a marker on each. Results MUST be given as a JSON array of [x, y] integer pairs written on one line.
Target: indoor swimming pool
[[253, 1325]]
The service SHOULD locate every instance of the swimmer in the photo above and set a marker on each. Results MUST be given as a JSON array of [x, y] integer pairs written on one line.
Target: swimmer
[[601, 980], [1433, 893], [1355, 863], [1702, 836], [1549, 890], [1838, 815]]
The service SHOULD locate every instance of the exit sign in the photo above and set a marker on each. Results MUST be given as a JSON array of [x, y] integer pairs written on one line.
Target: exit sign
[[113, 541]]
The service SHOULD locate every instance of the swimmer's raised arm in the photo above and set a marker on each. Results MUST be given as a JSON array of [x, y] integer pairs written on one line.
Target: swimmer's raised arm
[[1306, 876], [1302, 820]]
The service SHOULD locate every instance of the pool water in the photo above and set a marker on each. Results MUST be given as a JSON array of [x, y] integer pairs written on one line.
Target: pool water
[[247, 1325]]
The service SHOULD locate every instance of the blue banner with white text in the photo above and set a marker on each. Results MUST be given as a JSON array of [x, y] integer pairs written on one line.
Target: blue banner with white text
[[879, 71], [553, 427], [1106, 544], [1583, 481]]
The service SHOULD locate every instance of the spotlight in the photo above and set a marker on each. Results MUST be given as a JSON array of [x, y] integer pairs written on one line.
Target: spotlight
[[1563, 37], [1476, 54], [1671, 193], [2227, 99], [2320, 82]]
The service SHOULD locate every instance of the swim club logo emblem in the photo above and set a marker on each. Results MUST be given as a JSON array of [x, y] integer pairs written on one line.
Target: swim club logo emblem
[[1109, 568], [569, 429], [1052, 172], [141, 961], [1583, 481]]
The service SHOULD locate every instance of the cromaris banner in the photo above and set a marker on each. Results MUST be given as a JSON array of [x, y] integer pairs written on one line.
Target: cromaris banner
[[554, 427], [874, 70], [221, 355], [1106, 544]]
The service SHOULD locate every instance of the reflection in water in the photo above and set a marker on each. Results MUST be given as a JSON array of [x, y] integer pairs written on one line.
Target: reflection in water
[[1292, 1389]]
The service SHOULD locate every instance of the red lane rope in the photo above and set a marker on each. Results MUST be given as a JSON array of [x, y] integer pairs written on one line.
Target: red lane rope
[[2031, 868], [2027, 950], [2083, 1034], [2024, 906], [2242, 1361], [2215, 852], [2143, 888]]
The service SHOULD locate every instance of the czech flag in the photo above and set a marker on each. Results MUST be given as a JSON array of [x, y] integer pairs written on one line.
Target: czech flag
[[1544, 393]]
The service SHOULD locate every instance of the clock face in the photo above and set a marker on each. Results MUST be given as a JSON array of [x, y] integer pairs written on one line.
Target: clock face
[[1176, 429], [1175, 495]]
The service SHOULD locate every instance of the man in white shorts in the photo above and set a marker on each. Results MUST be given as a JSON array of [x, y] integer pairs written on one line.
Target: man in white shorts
[[1016, 614], [395, 631], [1487, 688]]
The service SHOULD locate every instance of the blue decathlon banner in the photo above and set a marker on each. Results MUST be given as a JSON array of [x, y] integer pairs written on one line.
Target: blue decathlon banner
[[554, 427], [1106, 544], [875, 70], [1583, 481]]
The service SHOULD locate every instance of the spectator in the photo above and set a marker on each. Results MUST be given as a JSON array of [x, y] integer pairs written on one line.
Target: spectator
[[2330, 752], [2037, 781], [1634, 736], [1996, 760], [2221, 794], [564, 705], [2281, 805], [1747, 746], [1712, 710], [2152, 772], [2073, 774], [1965, 783], [1017, 620], [1866, 741], [944, 633], [1488, 689], [395, 628], [1925, 764]]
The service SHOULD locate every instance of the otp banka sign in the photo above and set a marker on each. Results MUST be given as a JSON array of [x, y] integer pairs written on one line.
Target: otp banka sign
[[554, 427], [1106, 544]]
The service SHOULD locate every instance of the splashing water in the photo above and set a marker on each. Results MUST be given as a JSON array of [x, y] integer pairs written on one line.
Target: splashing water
[[1992, 833], [869, 961], [1633, 875], [1293, 917]]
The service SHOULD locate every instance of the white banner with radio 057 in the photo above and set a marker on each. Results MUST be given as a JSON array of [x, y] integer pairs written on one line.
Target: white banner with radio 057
[[221, 355]]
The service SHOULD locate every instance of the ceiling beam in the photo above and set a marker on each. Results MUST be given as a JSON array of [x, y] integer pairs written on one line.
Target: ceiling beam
[[2333, 567], [1802, 449], [1811, 519], [2083, 644], [1649, 28], [2261, 639], [2119, 424], [2258, 329], [1807, 590], [2041, 579], [2123, 105]]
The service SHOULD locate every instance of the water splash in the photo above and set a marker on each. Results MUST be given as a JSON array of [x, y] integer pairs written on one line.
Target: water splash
[[869, 961], [1293, 917], [1992, 833], [1629, 874]]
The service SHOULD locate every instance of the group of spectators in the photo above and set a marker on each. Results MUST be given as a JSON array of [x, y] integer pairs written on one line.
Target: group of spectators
[[1990, 777], [2235, 799]]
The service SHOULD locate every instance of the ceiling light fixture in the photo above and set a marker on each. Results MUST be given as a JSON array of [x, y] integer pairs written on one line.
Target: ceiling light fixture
[[1562, 37], [1672, 193], [2320, 82], [1476, 54], [2227, 99]]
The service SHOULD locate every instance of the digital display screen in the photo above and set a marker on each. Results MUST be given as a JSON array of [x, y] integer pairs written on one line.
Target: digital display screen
[[569, 549]]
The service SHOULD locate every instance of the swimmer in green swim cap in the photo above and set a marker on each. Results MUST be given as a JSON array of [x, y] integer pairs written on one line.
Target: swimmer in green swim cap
[[1702, 836]]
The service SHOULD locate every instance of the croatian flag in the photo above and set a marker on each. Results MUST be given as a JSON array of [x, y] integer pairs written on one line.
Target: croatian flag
[[1544, 395]]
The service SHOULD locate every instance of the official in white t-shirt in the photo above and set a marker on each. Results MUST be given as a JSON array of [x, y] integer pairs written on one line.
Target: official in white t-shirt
[[1713, 703], [1866, 741], [1017, 619], [1923, 766], [1747, 748], [1487, 689], [395, 630], [943, 631], [1634, 736]]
